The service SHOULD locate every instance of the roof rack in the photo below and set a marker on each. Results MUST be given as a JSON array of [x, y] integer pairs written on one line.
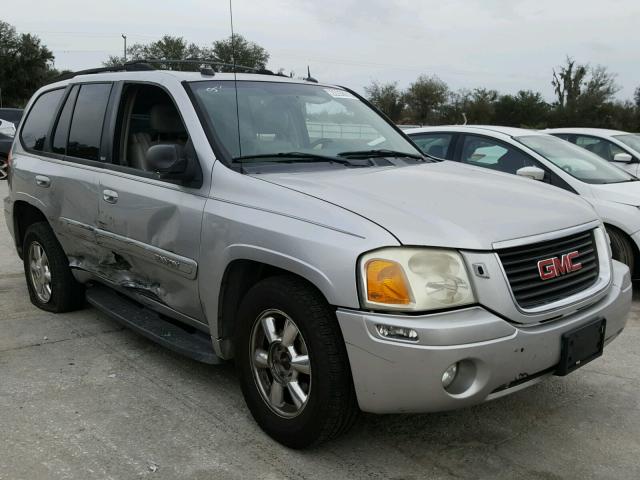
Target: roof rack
[[148, 64]]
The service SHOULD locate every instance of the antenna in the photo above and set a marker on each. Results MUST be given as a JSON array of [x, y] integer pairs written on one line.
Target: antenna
[[309, 77], [235, 75]]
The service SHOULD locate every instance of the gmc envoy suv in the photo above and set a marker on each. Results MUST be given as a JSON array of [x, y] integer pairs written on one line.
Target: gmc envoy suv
[[289, 226]]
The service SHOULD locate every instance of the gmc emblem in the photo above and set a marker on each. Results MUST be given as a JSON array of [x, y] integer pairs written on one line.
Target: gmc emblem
[[554, 267]]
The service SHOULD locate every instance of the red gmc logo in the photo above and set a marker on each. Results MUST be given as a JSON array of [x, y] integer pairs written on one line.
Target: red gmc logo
[[557, 266]]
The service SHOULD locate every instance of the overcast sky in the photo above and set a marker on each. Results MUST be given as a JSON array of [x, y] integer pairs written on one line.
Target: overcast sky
[[503, 44]]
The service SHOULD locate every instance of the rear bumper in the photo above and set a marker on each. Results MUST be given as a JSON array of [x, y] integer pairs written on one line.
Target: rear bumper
[[394, 376]]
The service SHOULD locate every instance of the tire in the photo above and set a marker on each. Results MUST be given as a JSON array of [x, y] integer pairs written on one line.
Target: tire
[[622, 249], [330, 408], [64, 293], [4, 172]]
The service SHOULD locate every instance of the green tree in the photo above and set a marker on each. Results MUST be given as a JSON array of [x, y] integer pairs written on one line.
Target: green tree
[[426, 99], [636, 97], [388, 98], [167, 48], [526, 109], [246, 53], [25, 65]]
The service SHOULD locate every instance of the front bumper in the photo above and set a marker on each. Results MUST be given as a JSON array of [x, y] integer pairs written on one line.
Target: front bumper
[[395, 376]]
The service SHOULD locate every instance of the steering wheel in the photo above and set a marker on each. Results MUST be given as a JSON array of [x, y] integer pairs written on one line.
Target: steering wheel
[[320, 141]]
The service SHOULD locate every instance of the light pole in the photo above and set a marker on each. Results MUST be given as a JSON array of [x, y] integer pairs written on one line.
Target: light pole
[[124, 37]]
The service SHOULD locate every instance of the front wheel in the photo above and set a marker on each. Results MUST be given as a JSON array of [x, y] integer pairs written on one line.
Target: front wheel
[[292, 363], [622, 249], [4, 168]]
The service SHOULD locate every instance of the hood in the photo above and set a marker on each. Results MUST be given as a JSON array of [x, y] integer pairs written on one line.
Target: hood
[[627, 193], [444, 204]]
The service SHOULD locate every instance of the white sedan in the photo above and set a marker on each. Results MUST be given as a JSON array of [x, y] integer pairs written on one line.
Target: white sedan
[[617, 146], [614, 193]]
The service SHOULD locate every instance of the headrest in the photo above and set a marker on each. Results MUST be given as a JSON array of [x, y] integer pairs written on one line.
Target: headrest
[[165, 119]]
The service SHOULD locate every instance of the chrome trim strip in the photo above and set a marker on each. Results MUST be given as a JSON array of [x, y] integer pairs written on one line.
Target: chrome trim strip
[[581, 299], [518, 242], [183, 266]]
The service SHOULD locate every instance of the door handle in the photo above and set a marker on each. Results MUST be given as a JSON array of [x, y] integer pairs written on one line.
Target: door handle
[[43, 181], [110, 196]]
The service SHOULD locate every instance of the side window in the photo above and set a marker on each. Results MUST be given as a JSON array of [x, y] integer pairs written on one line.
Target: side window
[[493, 154], [434, 144], [563, 136], [88, 117], [61, 132], [147, 116], [601, 147], [36, 127]]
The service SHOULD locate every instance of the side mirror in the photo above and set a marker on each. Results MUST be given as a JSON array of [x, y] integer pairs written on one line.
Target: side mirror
[[622, 158], [168, 160], [534, 173]]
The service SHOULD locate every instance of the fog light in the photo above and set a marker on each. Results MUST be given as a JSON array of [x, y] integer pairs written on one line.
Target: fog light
[[398, 333], [449, 375]]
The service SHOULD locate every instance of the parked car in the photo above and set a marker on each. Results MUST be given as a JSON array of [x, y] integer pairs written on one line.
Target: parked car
[[622, 148], [9, 119], [614, 193], [287, 225]]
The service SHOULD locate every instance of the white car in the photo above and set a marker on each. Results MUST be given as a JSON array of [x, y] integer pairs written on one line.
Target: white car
[[614, 193], [617, 146]]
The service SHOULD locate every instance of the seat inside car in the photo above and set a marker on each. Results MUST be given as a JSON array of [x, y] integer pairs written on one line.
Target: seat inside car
[[165, 128]]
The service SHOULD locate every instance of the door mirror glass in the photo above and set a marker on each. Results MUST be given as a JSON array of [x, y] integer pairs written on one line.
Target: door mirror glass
[[534, 173], [168, 160], [622, 158]]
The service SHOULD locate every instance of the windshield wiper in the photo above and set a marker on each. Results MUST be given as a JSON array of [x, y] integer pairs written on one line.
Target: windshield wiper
[[295, 157], [380, 153]]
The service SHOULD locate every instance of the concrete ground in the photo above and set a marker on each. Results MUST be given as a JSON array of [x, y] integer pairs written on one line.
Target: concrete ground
[[82, 398]]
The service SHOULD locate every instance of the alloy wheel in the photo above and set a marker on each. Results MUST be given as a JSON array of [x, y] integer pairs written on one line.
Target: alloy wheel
[[40, 272], [280, 363]]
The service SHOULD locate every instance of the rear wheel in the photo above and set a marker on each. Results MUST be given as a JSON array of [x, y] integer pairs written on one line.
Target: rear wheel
[[50, 282], [292, 363], [622, 249]]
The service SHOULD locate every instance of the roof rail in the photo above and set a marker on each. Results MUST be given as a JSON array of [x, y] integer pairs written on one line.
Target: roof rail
[[148, 64]]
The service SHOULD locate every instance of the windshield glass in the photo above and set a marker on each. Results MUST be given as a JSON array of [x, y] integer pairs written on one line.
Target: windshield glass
[[576, 161], [284, 118], [631, 140]]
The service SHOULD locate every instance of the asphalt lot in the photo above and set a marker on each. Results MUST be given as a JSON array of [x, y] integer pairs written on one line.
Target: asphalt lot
[[82, 398]]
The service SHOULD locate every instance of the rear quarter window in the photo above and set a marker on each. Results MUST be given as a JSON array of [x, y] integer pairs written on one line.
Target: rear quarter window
[[39, 120]]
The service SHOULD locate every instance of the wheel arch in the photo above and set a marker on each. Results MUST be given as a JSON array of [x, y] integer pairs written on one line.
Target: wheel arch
[[25, 214], [634, 246], [239, 276]]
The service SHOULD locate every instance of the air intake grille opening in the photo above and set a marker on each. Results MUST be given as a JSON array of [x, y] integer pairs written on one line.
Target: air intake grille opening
[[529, 289]]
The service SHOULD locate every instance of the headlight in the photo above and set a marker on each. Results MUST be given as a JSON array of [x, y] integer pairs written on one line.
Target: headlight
[[414, 279]]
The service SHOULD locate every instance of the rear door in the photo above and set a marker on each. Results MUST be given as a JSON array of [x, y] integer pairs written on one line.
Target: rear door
[[151, 226], [60, 170]]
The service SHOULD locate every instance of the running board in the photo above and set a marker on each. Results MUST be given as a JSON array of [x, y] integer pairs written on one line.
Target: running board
[[196, 345]]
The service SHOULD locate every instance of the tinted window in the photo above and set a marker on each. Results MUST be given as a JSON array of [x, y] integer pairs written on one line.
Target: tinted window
[[434, 144], [88, 117], [599, 146], [62, 128], [35, 130], [489, 153]]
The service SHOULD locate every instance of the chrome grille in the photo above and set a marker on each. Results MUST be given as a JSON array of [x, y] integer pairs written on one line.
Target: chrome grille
[[521, 267]]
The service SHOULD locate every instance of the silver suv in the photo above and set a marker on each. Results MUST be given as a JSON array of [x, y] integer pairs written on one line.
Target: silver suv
[[291, 227]]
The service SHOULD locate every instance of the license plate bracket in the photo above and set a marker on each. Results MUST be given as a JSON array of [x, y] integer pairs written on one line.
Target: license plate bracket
[[581, 346]]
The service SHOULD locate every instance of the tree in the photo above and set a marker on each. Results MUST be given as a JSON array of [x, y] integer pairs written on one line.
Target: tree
[[167, 48], [526, 109], [636, 97], [568, 81], [246, 53], [387, 98], [25, 65], [426, 99]]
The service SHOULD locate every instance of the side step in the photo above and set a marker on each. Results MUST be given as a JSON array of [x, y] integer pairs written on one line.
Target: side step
[[146, 322]]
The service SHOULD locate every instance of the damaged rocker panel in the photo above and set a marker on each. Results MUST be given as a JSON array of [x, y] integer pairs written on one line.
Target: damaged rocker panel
[[183, 266]]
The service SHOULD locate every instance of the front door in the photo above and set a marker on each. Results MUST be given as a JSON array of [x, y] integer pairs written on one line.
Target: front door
[[151, 226]]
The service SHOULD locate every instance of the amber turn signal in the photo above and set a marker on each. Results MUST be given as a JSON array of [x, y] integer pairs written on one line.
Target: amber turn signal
[[387, 283]]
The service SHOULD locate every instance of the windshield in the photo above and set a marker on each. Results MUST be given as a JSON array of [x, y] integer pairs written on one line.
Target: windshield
[[576, 161], [631, 140], [285, 119]]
